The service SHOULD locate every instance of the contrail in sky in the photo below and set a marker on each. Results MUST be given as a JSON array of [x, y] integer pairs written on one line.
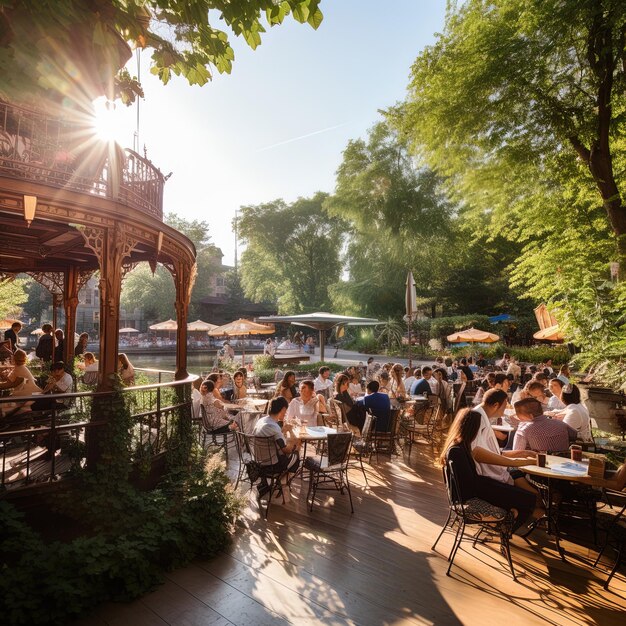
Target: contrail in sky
[[317, 132]]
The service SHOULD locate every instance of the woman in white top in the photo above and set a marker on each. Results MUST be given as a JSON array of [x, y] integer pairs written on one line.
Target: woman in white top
[[575, 414], [556, 389], [20, 380], [355, 389]]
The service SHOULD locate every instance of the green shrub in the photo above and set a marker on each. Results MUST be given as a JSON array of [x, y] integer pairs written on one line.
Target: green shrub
[[263, 362], [524, 354], [134, 536]]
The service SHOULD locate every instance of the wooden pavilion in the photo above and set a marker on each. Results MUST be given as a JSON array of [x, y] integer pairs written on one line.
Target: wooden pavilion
[[71, 205]]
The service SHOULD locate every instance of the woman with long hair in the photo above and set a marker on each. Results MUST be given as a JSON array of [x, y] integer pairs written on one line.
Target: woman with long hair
[[287, 386], [458, 451], [355, 413], [397, 382], [126, 370]]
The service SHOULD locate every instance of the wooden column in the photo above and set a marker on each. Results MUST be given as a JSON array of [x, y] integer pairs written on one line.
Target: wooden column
[[184, 275], [112, 246], [70, 304]]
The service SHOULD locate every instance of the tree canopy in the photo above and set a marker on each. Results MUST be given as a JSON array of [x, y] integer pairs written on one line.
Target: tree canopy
[[292, 255], [156, 293], [68, 43], [530, 84]]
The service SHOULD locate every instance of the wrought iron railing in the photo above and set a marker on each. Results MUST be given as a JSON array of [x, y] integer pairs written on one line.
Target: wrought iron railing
[[47, 446], [68, 155]]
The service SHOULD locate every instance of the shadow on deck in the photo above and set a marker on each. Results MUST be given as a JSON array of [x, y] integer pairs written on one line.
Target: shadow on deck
[[375, 567]]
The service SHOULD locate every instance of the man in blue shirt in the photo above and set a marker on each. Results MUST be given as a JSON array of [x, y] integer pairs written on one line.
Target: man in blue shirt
[[379, 405], [421, 385]]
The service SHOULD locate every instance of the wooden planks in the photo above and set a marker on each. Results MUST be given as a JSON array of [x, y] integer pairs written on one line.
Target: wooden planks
[[375, 567]]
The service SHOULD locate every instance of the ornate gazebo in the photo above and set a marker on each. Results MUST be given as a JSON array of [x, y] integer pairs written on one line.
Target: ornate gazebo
[[71, 205]]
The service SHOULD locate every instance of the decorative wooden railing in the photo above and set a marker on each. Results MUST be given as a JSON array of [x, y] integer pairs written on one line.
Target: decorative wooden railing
[[49, 447], [68, 155]]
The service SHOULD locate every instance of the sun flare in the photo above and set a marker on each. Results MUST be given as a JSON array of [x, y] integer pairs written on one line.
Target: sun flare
[[108, 121]]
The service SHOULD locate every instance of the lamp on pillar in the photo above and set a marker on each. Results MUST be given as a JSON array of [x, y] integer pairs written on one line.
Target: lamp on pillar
[[30, 207]]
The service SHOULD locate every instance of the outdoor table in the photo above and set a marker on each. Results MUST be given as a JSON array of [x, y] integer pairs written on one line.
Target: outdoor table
[[503, 428], [558, 468], [311, 433]]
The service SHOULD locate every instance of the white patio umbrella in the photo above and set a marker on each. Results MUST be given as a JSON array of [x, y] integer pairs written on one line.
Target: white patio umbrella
[[200, 326], [128, 330]]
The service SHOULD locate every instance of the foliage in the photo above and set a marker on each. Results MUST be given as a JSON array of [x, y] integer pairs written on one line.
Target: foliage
[[156, 293], [531, 354], [134, 537], [519, 104], [263, 362], [390, 333], [401, 218], [53, 42], [292, 253], [12, 297]]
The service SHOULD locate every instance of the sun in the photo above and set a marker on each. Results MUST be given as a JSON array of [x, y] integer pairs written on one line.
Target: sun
[[109, 121]]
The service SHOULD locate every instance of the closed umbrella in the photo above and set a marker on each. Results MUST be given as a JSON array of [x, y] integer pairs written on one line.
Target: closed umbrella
[[411, 306], [240, 328], [472, 335]]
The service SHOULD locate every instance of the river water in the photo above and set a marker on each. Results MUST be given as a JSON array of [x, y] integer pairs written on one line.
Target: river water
[[196, 363]]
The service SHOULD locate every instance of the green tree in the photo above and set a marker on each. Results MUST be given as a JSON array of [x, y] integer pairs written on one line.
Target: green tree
[[402, 219], [12, 297], [292, 253], [156, 293], [532, 83], [53, 42]]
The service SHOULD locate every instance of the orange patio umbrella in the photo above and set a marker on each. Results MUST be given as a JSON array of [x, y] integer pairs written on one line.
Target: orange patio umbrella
[[472, 335], [552, 333], [240, 328]]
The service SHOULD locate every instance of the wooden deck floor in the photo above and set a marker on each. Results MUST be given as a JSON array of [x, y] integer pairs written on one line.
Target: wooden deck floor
[[375, 567]]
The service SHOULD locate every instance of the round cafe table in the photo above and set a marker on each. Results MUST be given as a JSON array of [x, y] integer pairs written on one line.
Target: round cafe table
[[557, 468]]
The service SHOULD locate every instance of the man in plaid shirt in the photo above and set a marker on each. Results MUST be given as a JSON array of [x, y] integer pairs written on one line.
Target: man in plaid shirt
[[537, 431]]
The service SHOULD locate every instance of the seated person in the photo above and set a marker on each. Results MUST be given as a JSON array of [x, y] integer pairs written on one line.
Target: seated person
[[379, 405], [355, 388], [323, 385], [575, 413], [218, 421], [490, 460], [306, 406], [240, 392], [462, 450], [355, 413], [58, 382], [422, 385], [20, 381], [90, 367], [126, 370], [12, 335], [556, 389], [537, 431], [286, 457], [287, 386], [6, 352], [410, 378], [487, 384], [217, 379]]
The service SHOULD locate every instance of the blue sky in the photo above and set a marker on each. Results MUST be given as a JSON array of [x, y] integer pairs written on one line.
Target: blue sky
[[234, 141]]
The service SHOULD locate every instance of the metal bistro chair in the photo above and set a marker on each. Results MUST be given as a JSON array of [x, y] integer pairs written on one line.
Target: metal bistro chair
[[208, 432], [266, 463], [433, 418], [616, 531], [331, 472], [474, 512], [385, 441], [362, 446]]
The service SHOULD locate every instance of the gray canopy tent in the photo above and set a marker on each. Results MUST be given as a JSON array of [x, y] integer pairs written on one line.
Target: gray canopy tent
[[322, 322]]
